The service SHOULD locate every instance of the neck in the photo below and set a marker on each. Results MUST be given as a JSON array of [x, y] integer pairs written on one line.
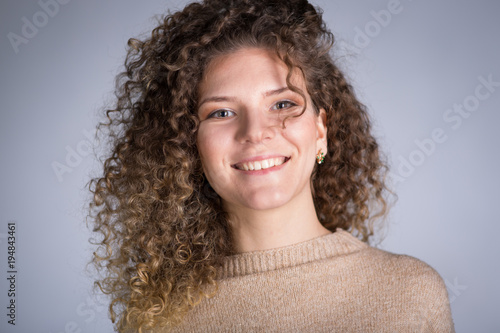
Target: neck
[[255, 230]]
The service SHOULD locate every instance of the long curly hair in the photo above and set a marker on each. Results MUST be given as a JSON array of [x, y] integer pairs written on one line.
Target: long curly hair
[[160, 229]]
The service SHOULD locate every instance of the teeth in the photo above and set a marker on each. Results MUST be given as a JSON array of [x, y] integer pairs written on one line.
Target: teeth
[[260, 165]]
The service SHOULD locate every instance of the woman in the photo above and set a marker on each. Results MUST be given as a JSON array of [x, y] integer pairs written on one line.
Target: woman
[[242, 168]]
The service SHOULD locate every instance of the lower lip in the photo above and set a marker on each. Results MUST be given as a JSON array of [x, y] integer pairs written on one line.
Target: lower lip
[[264, 171]]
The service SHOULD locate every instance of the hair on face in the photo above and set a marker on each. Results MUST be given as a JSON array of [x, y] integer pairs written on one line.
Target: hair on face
[[161, 229]]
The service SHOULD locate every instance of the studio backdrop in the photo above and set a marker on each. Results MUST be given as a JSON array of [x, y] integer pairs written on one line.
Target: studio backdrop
[[428, 72]]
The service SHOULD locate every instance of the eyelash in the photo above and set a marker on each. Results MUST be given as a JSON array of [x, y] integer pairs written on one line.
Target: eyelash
[[289, 104], [212, 115]]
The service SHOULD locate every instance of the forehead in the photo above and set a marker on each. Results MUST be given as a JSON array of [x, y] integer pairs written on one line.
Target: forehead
[[243, 69]]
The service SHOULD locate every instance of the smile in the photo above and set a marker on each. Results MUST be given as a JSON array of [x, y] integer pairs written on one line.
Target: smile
[[261, 165]]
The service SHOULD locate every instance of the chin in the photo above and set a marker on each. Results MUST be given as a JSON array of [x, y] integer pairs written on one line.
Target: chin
[[266, 202]]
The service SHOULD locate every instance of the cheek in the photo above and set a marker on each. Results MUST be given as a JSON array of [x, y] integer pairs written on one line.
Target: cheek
[[302, 132], [203, 145], [211, 147]]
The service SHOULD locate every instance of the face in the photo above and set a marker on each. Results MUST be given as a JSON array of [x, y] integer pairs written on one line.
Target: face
[[249, 159]]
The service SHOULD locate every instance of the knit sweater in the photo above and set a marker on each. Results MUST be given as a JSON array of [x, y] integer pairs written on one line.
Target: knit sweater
[[332, 283]]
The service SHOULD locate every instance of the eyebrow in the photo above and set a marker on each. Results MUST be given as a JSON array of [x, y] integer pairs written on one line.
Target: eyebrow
[[232, 99], [275, 91]]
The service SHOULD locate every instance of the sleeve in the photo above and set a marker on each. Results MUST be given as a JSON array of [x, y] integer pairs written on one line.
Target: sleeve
[[432, 301]]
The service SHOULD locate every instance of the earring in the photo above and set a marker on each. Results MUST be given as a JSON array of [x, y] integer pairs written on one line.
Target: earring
[[320, 157]]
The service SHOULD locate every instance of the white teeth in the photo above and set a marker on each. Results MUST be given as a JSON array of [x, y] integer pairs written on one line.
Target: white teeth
[[260, 165]]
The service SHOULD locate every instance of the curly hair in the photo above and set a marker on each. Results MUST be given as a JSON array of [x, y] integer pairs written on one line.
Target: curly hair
[[161, 230]]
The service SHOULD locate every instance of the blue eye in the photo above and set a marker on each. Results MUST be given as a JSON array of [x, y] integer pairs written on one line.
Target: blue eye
[[283, 105], [221, 114]]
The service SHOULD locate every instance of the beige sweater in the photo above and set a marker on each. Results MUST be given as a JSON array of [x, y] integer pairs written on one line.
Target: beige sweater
[[333, 283]]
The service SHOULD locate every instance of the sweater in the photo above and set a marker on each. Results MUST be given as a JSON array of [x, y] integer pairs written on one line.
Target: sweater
[[332, 283]]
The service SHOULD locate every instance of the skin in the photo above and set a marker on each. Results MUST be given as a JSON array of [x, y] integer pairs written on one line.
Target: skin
[[243, 99]]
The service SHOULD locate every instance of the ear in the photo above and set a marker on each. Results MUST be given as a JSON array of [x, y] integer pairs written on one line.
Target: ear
[[321, 130]]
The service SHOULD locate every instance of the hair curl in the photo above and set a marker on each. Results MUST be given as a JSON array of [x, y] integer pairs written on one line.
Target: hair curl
[[162, 229]]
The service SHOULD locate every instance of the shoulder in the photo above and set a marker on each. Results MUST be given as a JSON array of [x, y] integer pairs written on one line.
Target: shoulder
[[363, 259], [405, 265], [413, 271], [415, 283], [403, 271], [400, 283], [391, 264]]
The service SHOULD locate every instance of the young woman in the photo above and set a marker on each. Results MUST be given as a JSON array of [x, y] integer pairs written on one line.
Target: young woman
[[243, 184]]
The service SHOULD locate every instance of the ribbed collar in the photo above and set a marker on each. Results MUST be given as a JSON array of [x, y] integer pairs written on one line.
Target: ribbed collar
[[338, 243]]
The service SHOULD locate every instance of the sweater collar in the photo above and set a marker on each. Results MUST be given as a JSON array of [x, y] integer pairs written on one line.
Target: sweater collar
[[338, 243]]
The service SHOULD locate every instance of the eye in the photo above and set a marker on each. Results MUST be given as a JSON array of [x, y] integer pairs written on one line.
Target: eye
[[283, 105], [221, 114]]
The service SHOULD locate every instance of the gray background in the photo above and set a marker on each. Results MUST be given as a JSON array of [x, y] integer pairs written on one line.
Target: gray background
[[409, 69]]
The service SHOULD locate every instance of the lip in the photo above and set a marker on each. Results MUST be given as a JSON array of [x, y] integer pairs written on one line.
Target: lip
[[261, 158]]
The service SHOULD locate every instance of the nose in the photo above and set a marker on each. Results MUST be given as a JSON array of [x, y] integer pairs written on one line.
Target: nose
[[256, 127]]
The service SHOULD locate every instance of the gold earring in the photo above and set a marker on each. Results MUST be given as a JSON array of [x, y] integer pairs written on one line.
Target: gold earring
[[320, 157]]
